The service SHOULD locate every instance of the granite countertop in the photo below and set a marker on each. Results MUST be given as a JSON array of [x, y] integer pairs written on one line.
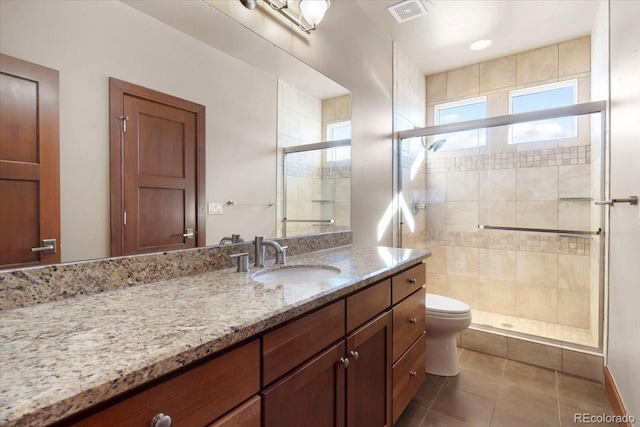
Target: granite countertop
[[61, 357]]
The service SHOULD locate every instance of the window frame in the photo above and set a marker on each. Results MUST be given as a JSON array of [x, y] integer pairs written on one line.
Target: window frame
[[573, 83], [332, 152]]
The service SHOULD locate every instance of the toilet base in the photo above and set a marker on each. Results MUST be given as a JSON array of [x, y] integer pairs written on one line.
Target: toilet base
[[442, 355]]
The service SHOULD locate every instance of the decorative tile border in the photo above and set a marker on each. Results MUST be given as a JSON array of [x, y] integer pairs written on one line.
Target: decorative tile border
[[37, 285]]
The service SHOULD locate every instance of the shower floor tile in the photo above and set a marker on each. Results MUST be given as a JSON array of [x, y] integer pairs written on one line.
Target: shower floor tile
[[537, 328]]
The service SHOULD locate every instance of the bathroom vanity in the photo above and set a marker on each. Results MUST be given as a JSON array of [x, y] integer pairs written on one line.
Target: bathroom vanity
[[220, 349]]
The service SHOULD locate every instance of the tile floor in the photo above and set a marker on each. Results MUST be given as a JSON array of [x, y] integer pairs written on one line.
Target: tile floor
[[536, 328], [494, 392]]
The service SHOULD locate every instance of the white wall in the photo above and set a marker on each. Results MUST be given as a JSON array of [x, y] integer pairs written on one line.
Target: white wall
[[624, 269], [348, 48], [90, 41]]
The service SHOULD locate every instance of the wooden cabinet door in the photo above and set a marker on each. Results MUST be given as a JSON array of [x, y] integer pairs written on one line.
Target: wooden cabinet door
[[29, 163], [311, 396], [369, 374], [157, 166]]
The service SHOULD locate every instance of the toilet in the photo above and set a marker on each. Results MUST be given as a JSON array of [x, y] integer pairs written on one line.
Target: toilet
[[445, 317]]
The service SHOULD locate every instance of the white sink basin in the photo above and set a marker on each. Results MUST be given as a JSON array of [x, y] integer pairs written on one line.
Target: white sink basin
[[295, 274]]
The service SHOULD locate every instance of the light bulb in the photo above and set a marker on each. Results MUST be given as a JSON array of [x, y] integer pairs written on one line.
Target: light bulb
[[313, 10]]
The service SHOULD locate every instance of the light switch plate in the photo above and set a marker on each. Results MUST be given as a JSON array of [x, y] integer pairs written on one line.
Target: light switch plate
[[214, 208]]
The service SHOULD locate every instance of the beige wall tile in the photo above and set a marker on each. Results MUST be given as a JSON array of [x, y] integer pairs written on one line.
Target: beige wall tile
[[497, 264], [437, 262], [498, 104], [463, 288], [537, 268], [573, 272], [538, 303], [463, 81], [329, 110], [583, 365], [462, 261], [497, 297], [462, 187], [538, 64], [575, 56], [462, 216], [498, 73], [436, 188], [536, 354], [573, 308], [574, 215], [574, 181], [537, 183], [437, 87], [537, 214], [484, 342], [497, 185], [436, 217], [436, 283], [343, 107], [497, 213]]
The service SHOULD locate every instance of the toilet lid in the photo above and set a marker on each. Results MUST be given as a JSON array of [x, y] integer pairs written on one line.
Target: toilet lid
[[440, 304]]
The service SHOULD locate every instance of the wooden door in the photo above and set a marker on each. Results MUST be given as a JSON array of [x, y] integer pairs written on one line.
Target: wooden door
[[311, 396], [157, 168], [29, 164], [369, 374]]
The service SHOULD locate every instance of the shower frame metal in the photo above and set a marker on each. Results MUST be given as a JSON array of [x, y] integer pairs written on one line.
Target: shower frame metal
[[511, 119]]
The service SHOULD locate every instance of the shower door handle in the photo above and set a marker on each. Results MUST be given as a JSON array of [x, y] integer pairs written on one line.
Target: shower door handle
[[632, 200]]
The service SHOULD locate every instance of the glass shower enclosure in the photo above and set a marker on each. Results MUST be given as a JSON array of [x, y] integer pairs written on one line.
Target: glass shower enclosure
[[507, 207]]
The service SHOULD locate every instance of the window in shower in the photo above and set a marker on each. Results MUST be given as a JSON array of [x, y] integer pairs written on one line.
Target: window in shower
[[336, 132], [460, 111], [543, 97]]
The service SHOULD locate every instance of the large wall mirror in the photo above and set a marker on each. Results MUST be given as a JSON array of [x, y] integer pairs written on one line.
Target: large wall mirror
[[259, 100]]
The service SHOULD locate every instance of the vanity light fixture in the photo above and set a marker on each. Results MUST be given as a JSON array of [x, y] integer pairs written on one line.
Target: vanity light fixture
[[312, 11]]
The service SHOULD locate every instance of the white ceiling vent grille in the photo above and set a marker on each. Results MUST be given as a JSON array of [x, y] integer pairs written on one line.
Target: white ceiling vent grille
[[406, 10]]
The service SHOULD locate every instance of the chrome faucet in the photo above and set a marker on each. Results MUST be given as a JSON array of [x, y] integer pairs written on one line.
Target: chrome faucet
[[260, 246], [235, 238]]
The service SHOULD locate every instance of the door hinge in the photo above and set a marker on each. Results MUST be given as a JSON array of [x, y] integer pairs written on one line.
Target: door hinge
[[124, 122], [124, 217]]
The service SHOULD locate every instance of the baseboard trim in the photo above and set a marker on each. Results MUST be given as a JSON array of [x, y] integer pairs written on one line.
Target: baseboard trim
[[614, 396]]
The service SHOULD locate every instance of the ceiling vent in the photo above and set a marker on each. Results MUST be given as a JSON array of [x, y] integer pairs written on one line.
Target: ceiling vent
[[407, 10]]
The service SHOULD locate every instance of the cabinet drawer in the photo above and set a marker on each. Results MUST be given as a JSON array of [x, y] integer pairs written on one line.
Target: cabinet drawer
[[246, 415], [367, 304], [290, 345], [408, 376], [408, 322], [194, 398], [407, 282]]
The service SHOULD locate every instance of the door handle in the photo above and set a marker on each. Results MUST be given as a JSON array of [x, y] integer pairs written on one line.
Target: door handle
[[632, 200], [188, 234], [48, 247]]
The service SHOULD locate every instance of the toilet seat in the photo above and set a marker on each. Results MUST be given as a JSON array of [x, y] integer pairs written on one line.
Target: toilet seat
[[441, 306]]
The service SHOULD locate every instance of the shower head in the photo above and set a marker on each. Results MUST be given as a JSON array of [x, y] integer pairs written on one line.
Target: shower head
[[436, 145]]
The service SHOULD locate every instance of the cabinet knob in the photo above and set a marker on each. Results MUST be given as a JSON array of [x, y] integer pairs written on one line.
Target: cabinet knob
[[354, 355], [413, 374], [412, 281], [413, 321], [344, 362], [161, 420]]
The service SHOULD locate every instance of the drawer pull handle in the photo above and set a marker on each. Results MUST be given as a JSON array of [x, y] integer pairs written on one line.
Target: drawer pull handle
[[413, 321], [413, 374], [344, 362], [161, 420], [412, 281], [354, 355]]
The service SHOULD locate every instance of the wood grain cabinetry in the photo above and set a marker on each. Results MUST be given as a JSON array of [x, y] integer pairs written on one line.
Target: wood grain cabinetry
[[355, 362], [194, 398], [408, 296]]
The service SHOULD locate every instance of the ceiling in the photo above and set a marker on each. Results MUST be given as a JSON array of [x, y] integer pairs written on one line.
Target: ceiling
[[440, 40]]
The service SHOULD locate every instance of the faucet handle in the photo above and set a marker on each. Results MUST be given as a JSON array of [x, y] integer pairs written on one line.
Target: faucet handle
[[243, 261]]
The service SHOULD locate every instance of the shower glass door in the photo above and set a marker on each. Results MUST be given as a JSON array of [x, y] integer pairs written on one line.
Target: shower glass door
[[509, 216]]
